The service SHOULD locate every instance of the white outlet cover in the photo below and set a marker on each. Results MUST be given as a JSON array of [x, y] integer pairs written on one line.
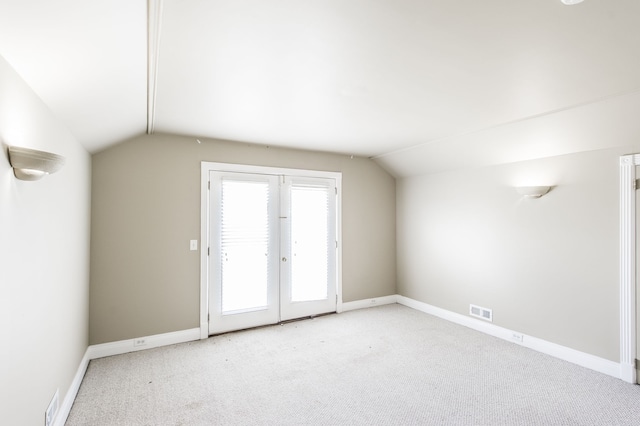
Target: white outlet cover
[[517, 337]]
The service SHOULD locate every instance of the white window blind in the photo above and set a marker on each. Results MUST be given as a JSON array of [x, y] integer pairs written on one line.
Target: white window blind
[[244, 246]]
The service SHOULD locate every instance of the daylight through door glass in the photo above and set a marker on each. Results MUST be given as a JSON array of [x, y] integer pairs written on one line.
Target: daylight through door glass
[[244, 245], [309, 243]]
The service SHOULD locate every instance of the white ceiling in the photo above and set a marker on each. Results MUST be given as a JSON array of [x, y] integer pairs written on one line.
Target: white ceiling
[[420, 85]]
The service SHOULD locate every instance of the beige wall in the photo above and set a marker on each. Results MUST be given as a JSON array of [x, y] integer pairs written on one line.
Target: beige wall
[[44, 259], [146, 208], [547, 267]]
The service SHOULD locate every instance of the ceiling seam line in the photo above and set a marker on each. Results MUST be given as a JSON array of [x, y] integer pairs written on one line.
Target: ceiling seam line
[[154, 21], [508, 123]]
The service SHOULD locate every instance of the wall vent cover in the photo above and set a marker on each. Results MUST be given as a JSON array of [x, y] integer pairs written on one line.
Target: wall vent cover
[[480, 312], [52, 410]]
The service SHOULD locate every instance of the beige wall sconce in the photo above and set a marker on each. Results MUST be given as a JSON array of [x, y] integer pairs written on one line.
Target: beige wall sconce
[[29, 164], [533, 191]]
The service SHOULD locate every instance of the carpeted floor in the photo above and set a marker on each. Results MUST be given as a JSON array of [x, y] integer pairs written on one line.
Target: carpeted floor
[[389, 365]]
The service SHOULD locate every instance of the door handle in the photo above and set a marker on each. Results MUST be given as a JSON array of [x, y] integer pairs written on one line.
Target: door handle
[[284, 259]]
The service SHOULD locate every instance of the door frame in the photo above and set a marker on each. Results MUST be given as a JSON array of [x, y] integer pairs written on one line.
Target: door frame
[[628, 262], [205, 168]]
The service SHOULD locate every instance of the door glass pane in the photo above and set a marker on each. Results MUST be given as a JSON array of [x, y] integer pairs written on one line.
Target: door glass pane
[[309, 243], [244, 245]]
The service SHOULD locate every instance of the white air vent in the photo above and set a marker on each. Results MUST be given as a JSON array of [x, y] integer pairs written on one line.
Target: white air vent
[[480, 312], [52, 410]]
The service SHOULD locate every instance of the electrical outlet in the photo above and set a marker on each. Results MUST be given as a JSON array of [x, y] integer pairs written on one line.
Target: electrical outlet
[[139, 342], [373, 301], [517, 337], [52, 410]]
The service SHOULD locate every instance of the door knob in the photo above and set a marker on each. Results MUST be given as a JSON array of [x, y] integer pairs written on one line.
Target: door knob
[[284, 259]]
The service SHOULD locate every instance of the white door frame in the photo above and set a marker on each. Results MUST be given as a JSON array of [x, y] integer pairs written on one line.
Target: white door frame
[[205, 168], [628, 165]]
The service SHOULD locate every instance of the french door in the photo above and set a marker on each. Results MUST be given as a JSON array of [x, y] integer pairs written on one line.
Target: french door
[[272, 247]]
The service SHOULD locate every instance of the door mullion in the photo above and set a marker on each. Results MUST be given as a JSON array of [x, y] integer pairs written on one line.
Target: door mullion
[[284, 243]]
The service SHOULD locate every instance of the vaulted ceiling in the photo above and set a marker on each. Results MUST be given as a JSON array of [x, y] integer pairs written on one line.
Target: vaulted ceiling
[[420, 85]]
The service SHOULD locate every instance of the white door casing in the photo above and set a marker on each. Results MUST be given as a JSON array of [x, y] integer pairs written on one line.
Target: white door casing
[[628, 262]]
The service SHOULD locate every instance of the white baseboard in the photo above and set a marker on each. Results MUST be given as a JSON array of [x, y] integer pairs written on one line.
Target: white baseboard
[[118, 348], [70, 396], [582, 359], [368, 303], [124, 346]]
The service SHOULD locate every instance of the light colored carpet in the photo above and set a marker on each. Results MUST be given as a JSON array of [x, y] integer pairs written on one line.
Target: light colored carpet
[[385, 365]]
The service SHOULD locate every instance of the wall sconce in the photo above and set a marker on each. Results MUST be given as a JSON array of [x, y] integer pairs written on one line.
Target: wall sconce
[[533, 191], [29, 164]]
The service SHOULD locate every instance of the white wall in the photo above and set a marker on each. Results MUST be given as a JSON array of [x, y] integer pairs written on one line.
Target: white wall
[[547, 267], [44, 259]]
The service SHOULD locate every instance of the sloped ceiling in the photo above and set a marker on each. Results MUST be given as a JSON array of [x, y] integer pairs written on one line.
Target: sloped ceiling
[[86, 59], [420, 85]]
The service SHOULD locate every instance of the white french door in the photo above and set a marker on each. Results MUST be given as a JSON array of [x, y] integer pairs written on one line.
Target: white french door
[[308, 245], [243, 251], [272, 247]]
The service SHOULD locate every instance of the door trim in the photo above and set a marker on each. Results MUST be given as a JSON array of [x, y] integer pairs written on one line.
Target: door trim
[[205, 168], [627, 278]]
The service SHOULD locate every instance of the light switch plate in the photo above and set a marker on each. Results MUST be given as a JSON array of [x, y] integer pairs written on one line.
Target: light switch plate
[[193, 245]]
